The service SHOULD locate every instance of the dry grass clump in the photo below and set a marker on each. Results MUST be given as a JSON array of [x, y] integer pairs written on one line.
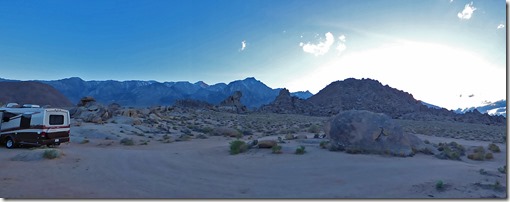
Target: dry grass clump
[[85, 141], [127, 141], [324, 144], [238, 146], [452, 151], [51, 153], [480, 155], [277, 149], [494, 148], [300, 150]]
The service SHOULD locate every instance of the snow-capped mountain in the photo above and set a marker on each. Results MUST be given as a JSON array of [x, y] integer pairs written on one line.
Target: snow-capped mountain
[[492, 108]]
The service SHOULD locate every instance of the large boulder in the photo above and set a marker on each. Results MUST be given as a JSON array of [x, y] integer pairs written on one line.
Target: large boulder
[[360, 131], [89, 110]]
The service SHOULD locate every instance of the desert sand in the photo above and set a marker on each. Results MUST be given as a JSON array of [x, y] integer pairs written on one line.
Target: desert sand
[[203, 168]]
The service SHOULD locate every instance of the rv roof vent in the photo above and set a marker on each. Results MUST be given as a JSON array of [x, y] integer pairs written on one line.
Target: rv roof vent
[[31, 106], [12, 105]]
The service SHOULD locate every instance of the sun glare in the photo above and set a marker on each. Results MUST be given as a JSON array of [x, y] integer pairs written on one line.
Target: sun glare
[[434, 73]]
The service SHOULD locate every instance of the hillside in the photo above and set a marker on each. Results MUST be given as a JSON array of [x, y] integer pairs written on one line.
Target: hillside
[[30, 92], [365, 94], [371, 95]]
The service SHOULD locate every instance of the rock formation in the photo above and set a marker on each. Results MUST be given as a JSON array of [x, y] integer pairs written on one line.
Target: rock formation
[[233, 104], [284, 103], [88, 110], [361, 131]]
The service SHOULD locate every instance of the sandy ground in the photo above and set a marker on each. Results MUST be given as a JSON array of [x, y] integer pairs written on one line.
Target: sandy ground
[[203, 168]]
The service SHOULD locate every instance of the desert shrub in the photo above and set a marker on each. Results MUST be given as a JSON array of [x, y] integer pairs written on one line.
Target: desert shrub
[[478, 154], [127, 141], [85, 141], [489, 156], [277, 149], [483, 172], [452, 151], [238, 146], [51, 153], [184, 137], [300, 150], [439, 185], [426, 141], [479, 149], [494, 148], [497, 185], [323, 144], [502, 169], [314, 129], [426, 150]]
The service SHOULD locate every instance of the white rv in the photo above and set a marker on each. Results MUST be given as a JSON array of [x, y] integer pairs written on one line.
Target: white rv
[[33, 125]]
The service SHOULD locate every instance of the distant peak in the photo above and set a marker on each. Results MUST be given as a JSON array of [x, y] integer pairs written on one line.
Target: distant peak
[[73, 78], [202, 84]]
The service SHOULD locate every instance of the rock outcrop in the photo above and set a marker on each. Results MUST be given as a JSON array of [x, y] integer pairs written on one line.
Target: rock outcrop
[[361, 131], [233, 104], [88, 110], [284, 103], [364, 94]]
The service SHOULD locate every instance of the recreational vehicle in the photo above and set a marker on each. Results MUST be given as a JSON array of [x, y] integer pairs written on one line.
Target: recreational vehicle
[[33, 125]]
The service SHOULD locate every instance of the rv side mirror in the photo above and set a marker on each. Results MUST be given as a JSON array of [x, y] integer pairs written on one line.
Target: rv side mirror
[[5, 119]]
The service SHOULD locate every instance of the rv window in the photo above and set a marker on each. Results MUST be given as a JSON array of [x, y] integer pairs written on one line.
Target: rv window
[[56, 119], [25, 121], [7, 116]]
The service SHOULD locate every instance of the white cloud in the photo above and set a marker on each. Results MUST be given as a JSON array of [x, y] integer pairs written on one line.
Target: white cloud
[[501, 26], [341, 44], [340, 48], [243, 45], [451, 1], [467, 12], [342, 38], [321, 48]]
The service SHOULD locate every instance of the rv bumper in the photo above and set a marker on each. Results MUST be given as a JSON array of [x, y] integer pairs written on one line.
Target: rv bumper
[[54, 141]]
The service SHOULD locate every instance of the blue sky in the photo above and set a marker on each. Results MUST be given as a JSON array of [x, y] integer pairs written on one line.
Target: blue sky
[[437, 50]]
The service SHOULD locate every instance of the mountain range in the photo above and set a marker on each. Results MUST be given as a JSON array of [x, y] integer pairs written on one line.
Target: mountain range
[[491, 108], [149, 93], [349, 94]]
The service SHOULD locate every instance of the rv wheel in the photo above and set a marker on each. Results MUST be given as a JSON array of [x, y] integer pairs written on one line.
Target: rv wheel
[[9, 143]]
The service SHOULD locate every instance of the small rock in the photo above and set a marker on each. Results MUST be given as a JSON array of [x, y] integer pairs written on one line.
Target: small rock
[[267, 143]]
